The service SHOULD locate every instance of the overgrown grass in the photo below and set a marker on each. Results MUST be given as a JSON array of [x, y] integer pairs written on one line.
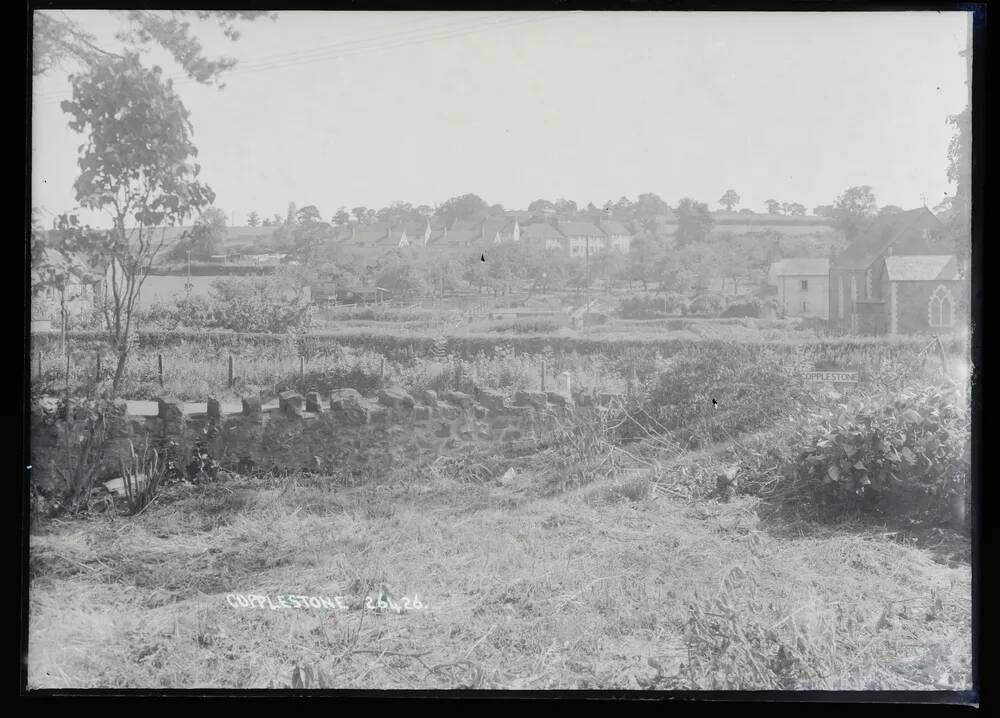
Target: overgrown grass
[[612, 585]]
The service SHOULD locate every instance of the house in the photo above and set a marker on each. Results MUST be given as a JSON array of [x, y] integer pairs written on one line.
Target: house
[[619, 238], [917, 294], [544, 235], [583, 238], [497, 230], [454, 240], [803, 287], [857, 302], [64, 280]]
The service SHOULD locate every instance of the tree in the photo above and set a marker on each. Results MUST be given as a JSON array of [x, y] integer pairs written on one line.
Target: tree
[[853, 208], [565, 207], [253, 220], [466, 207], [310, 232], [729, 200], [341, 218], [644, 257], [959, 206], [208, 232], [395, 273], [59, 41], [138, 166], [694, 221], [540, 205], [889, 209], [773, 206], [497, 210], [793, 209], [359, 214], [648, 207], [825, 210]]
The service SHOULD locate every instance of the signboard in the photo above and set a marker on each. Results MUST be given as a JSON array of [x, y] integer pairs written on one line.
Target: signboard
[[837, 377]]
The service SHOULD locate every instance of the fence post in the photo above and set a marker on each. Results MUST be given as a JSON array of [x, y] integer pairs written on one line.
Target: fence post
[[39, 363], [98, 377], [230, 371], [543, 375], [159, 361]]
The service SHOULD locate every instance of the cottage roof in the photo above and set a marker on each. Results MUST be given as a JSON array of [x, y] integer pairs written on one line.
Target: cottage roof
[[541, 231], [920, 267], [613, 227], [802, 267], [879, 236], [576, 228], [455, 238]]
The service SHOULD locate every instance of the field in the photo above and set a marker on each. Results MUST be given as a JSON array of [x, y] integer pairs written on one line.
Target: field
[[583, 568], [624, 583]]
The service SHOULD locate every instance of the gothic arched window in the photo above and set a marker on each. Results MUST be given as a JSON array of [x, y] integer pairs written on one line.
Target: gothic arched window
[[941, 308]]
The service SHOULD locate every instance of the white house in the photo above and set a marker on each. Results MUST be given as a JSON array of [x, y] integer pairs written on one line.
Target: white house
[[804, 287]]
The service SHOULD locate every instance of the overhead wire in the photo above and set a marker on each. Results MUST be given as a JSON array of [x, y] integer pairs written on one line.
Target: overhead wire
[[341, 50]]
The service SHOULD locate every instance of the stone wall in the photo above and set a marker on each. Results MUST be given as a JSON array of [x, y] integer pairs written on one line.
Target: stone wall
[[343, 430]]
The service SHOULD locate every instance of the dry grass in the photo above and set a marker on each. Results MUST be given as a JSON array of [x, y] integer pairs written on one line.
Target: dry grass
[[617, 584]]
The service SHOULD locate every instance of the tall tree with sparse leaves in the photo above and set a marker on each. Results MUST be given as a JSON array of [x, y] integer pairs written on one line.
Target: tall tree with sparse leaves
[[137, 165]]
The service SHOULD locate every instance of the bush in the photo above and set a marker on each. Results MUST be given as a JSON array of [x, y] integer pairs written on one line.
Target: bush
[[721, 389], [750, 308], [707, 304], [907, 457]]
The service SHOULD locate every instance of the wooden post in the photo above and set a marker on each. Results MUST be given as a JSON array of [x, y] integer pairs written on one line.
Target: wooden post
[[230, 371], [944, 363], [302, 366], [159, 361], [381, 368], [98, 376], [543, 375]]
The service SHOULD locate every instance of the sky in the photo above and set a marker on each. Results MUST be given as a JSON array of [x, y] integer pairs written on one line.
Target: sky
[[367, 108]]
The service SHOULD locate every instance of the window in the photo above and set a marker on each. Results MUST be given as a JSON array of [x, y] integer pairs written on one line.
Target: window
[[804, 285], [940, 309]]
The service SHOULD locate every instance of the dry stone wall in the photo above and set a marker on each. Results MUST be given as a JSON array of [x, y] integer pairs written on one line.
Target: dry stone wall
[[342, 431]]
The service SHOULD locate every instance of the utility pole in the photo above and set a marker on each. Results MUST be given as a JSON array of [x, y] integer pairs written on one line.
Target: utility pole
[[586, 300]]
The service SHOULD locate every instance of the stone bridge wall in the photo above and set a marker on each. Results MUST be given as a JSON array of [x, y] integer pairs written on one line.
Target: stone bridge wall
[[342, 431]]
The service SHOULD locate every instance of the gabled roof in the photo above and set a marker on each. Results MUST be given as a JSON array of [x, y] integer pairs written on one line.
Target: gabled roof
[[879, 236], [576, 228], [803, 267], [454, 238], [73, 264], [612, 227], [920, 267], [540, 231]]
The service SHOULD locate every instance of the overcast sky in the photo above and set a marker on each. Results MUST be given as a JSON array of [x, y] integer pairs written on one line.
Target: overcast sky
[[337, 108]]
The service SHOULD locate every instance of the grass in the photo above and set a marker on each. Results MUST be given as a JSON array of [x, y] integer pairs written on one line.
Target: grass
[[625, 582]]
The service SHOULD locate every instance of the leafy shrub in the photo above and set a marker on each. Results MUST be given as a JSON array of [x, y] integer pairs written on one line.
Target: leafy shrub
[[713, 392], [751, 308], [907, 457], [142, 473], [707, 304]]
